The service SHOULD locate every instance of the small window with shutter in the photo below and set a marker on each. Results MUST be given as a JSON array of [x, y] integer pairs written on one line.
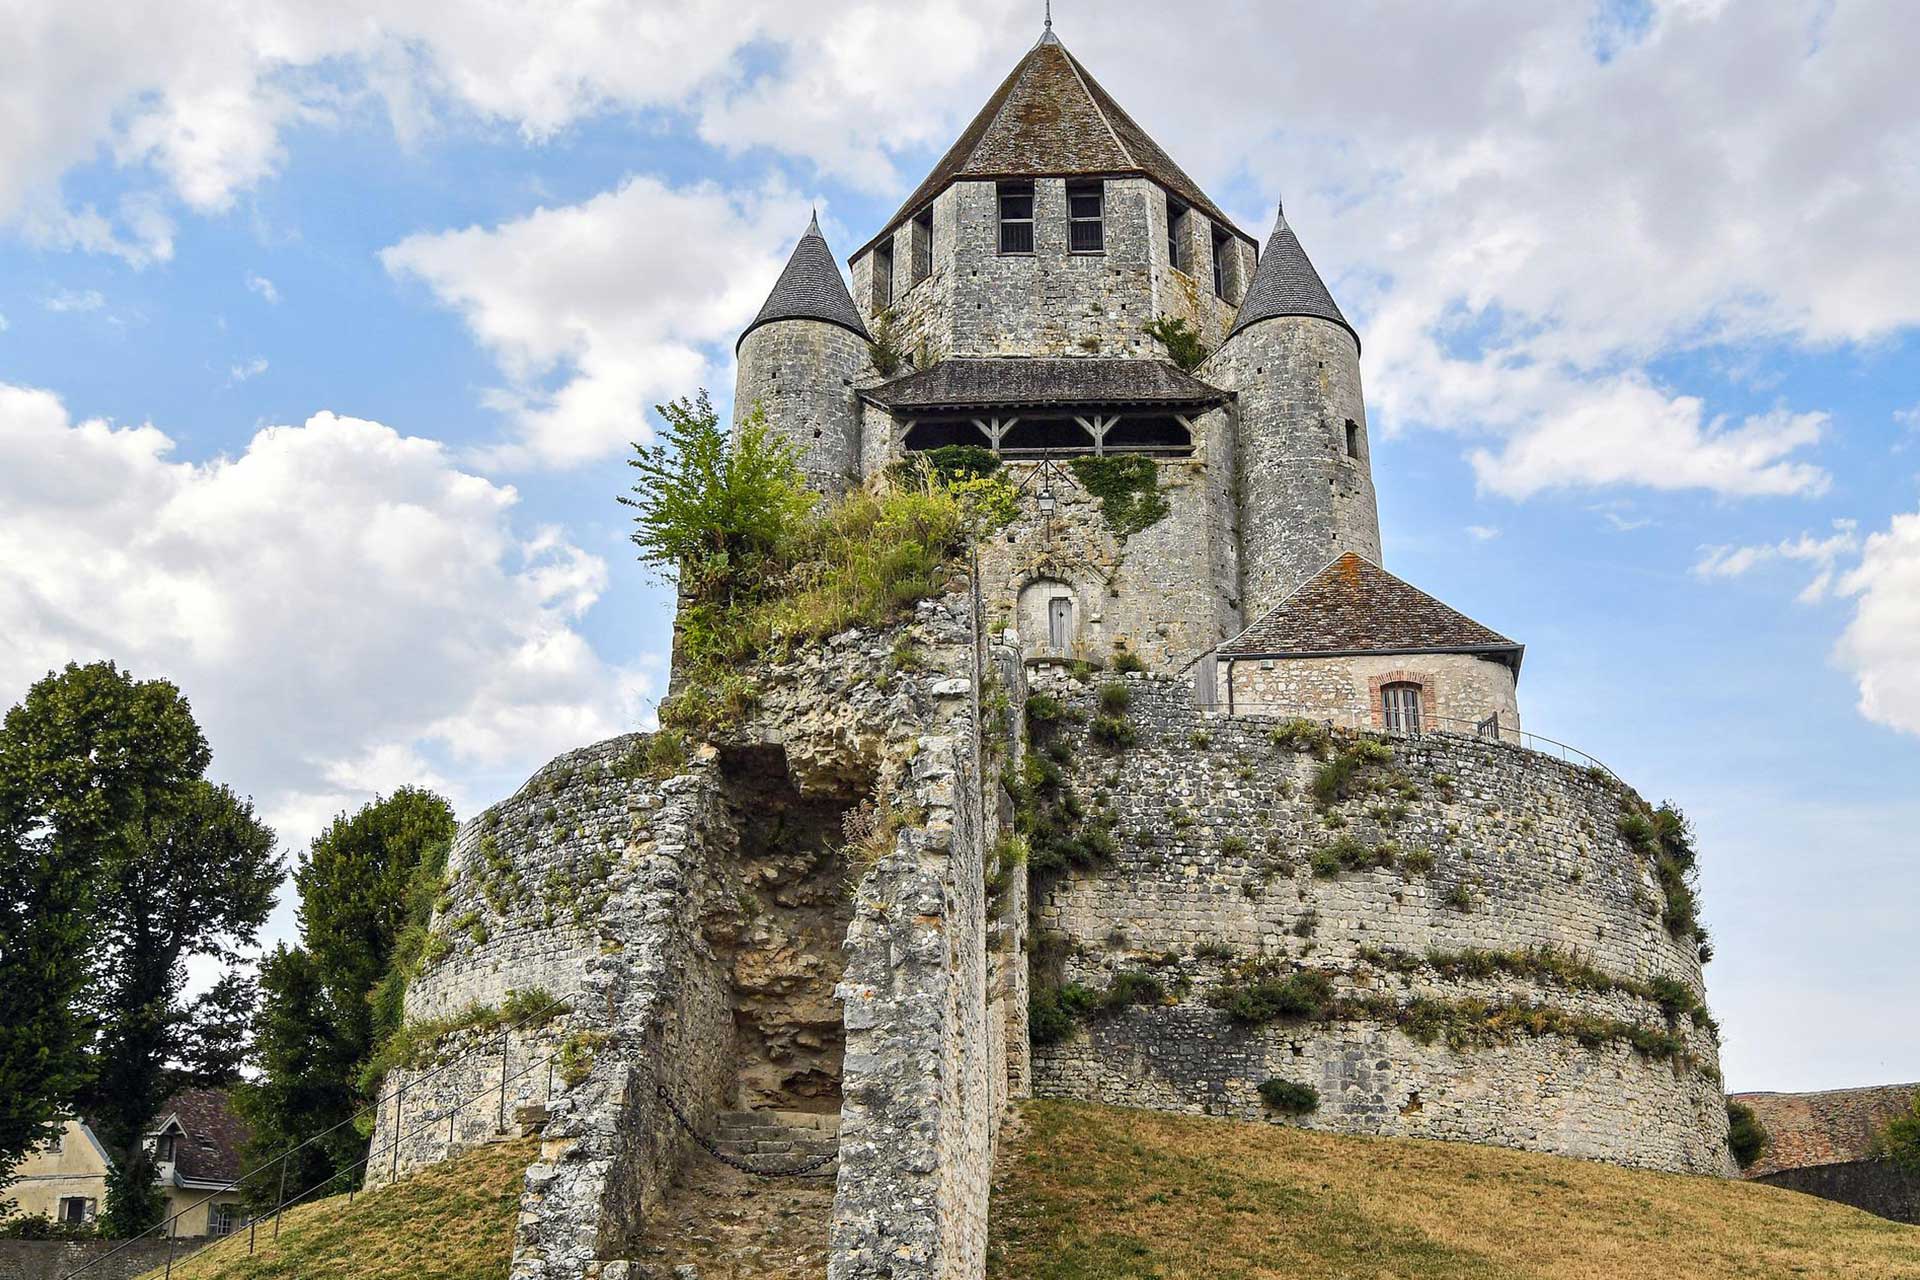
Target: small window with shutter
[[1016, 217], [1086, 217]]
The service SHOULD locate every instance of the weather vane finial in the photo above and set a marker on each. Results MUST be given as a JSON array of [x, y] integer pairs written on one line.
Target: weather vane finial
[[1049, 15]]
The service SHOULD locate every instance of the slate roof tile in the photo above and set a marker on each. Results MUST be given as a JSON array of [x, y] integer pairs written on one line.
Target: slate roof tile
[[1834, 1126], [1355, 606], [983, 382], [810, 288], [1285, 284]]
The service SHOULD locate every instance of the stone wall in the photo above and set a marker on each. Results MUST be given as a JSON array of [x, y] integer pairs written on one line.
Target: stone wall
[[54, 1259], [1458, 690], [802, 374], [1303, 499], [1877, 1186], [1493, 847]]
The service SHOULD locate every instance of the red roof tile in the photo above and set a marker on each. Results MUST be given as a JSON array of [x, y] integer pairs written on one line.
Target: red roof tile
[[1832, 1127]]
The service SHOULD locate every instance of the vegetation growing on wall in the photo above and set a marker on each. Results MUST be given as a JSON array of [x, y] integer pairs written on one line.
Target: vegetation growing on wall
[[1290, 1097], [421, 1041], [1128, 487], [1665, 839], [1545, 964], [729, 519], [1899, 1139], [886, 350], [1181, 340]]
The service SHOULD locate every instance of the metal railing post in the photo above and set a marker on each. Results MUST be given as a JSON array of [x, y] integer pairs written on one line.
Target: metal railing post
[[501, 1126], [173, 1238], [398, 1094], [280, 1199], [253, 1225]]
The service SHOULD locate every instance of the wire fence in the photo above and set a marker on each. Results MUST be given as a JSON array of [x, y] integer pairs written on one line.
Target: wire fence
[[1367, 719], [401, 1133]]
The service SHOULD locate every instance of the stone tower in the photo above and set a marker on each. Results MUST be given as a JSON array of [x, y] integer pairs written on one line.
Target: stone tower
[[798, 361], [1306, 482]]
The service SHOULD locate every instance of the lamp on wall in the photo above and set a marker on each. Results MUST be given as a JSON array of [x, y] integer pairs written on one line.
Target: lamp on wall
[[1045, 497]]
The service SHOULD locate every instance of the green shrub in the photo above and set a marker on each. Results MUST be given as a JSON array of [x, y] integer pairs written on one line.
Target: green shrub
[[885, 349], [1747, 1138], [1289, 1097], [1113, 732], [1460, 897], [1899, 1139], [1302, 735], [1131, 988], [1233, 846], [1115, 697], [575, 1058], [1043, 709], [1125, 660], [1265, 996], [1200, 739], [1181, 340], [954, 462], [1336, 780]]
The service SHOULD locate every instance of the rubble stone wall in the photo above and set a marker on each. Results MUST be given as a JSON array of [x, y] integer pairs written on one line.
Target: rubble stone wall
[[1216, 825]]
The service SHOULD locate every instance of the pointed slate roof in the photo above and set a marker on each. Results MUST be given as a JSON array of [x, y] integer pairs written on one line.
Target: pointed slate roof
[[810, 288], [1285, 284], [1354, 606], [1050, 118]]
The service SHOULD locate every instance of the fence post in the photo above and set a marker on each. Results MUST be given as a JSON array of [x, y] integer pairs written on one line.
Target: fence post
[[399, 1093], [253, 1225], [280, 1199], [501, 1127], [172, 1239]]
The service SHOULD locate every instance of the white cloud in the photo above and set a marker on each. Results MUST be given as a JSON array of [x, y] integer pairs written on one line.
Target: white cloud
[[251, 369], [74, 300], [3, 322], [1823, 553], [1482, 533], [1881, 646], [264, 287], [332, 648], [597, 311]]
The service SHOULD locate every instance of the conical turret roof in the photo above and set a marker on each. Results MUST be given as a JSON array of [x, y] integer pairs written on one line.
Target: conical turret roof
[[1050, 118], [810, 288], [1285, 284]]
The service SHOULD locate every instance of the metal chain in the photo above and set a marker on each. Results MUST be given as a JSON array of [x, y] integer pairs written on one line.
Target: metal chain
[[735, 1162]]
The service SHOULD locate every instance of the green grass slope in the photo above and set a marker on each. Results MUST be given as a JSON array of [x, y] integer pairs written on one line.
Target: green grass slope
[[450, 1222], [1102, 1193]]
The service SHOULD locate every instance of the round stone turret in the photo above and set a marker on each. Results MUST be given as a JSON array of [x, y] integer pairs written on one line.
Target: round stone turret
[[798, 362], [1306, 480]]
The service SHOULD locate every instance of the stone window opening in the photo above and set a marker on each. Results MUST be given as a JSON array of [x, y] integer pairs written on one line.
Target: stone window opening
[[882, 278], [1016, 217], [1177, 251], [1086, 217], [920, 232], [76, 1209], [1222, 277], [1400, 702], [1353, 439]]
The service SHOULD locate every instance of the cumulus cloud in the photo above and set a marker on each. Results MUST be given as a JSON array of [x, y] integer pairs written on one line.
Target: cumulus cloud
[[599, 310], [1823, 553], [253, 368], [264, 287], [343, 603], [1881, 646]]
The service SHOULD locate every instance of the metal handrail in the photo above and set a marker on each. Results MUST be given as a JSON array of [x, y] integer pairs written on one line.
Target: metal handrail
[[170, 1223], [1359, 719]]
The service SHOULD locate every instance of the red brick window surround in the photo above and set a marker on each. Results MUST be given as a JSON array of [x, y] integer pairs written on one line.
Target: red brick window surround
[[1376, 698]]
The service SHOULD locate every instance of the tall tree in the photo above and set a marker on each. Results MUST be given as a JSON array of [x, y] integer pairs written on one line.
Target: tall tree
[[197, 880], [86, 759], [353, 887]]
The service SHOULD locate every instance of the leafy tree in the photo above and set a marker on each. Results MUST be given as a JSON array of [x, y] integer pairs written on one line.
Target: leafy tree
[[1899, 1139], [354, 892], [135, 1203], [197, 879], [712, 508], [304, 1088], [218, 1037], [88, 759], [1746, 1136]]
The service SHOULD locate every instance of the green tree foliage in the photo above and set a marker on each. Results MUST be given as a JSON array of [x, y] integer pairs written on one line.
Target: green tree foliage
[[197, 880], [1746, 1136], [135, 1203], [217, 1040], [118, 862], [354, 885], [1899, 1139], [305, 1084]]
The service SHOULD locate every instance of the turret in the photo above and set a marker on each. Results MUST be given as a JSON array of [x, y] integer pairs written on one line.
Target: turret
[[798, 362], [1306, 482]]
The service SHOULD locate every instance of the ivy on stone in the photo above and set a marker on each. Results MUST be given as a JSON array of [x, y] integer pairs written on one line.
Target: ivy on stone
[[1128, 487]]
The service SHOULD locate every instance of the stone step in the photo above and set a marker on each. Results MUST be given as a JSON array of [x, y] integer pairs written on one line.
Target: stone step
[[824, 1121]]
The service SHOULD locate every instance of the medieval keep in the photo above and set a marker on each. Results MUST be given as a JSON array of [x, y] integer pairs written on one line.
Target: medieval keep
[[1174, 798]]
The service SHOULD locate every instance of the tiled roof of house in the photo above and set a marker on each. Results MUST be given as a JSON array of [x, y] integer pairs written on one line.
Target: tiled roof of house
[[214, 1148], [1355, 606], [1285, 284], [1831, 1127], [810, 288], [995, 381], [1050, 118]]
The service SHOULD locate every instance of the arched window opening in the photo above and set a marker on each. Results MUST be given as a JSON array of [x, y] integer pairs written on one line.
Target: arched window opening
[[1401, 704]]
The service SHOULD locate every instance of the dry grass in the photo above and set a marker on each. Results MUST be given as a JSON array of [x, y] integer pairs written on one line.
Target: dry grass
[[452, 1221], [1099, 1193]]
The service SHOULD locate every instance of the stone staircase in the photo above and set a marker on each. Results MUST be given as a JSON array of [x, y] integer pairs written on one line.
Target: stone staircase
[[719, 1223]]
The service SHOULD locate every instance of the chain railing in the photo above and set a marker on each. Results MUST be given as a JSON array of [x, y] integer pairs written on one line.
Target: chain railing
[[1362, 719], [391, 1150]]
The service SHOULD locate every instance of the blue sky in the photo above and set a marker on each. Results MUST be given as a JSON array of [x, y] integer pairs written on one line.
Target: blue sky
[[322, 334]]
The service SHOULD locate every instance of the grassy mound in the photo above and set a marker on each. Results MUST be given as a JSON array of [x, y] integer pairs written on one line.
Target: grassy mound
[[452, 1221], [1101, 1193]]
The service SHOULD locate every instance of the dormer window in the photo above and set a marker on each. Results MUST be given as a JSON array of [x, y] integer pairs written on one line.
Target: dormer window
[[1178, 254], [921, 234], [1086, 213], [1222, 277], [883, 277], [1016, 217], [163, 1148]]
